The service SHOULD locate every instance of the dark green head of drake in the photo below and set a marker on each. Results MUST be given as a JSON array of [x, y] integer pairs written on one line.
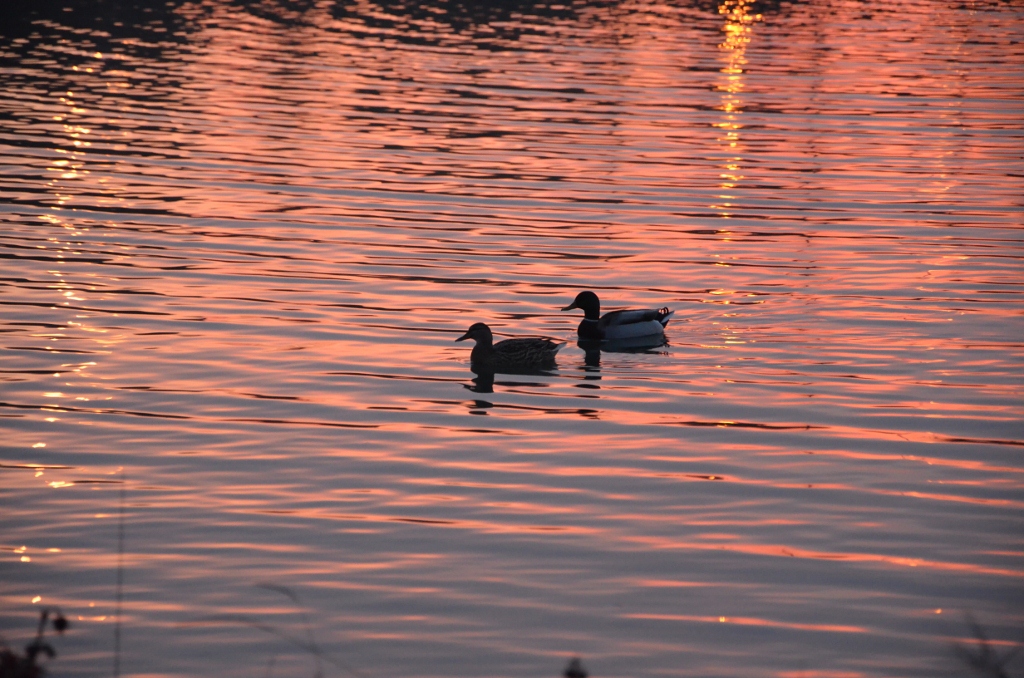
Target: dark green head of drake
[[588, 302], [480, 333]]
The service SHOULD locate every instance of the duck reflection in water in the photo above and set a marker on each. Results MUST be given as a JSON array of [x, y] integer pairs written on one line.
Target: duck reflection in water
[[483, 382], [592, 353]]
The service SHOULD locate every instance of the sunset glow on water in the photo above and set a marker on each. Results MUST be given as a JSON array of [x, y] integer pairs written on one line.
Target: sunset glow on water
[[239, 240]]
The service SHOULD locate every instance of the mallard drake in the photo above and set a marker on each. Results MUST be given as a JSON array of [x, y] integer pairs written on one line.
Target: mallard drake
[[627, 324], [510, 354]]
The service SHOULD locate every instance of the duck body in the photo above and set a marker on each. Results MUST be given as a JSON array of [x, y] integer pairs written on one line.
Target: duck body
[[509, 355], [617, 325]]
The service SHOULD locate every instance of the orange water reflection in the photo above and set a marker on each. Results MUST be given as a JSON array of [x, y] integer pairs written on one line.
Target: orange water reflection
[[750, 621]]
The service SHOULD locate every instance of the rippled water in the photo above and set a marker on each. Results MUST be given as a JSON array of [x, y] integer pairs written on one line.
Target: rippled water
[[239, 240]]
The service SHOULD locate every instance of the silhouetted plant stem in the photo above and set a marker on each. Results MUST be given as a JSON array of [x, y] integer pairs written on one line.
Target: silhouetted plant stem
[[13, 665], [119, 596], [308, 645], [984, 659]]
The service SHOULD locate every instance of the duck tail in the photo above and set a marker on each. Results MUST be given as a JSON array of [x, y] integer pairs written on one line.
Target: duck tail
[[664, 315]]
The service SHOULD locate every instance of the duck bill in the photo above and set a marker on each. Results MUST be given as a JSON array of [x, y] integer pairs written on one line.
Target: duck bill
[[570, 307], [464, 336]]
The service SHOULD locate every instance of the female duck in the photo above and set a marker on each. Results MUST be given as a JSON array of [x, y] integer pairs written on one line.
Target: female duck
[[510, 354], [628, 324]]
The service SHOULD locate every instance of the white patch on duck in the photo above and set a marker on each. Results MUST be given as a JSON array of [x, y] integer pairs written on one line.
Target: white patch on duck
[[632, 330]]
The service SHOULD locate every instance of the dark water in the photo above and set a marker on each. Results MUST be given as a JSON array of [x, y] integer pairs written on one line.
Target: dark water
[[238, 242]]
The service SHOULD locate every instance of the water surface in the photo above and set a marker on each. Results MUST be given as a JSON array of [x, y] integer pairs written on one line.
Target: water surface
[[240, 239]]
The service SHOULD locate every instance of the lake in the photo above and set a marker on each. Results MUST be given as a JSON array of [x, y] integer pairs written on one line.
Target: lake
[[239, 241]]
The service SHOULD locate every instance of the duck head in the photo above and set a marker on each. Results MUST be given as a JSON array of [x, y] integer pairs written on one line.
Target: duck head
[[480, 333], [588, 302]]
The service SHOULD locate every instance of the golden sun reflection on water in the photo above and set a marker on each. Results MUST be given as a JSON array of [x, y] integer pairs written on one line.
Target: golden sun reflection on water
[[738, 30]]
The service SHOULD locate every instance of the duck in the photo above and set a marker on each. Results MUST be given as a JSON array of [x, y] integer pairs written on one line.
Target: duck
[[509, 354], [617, 325]]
